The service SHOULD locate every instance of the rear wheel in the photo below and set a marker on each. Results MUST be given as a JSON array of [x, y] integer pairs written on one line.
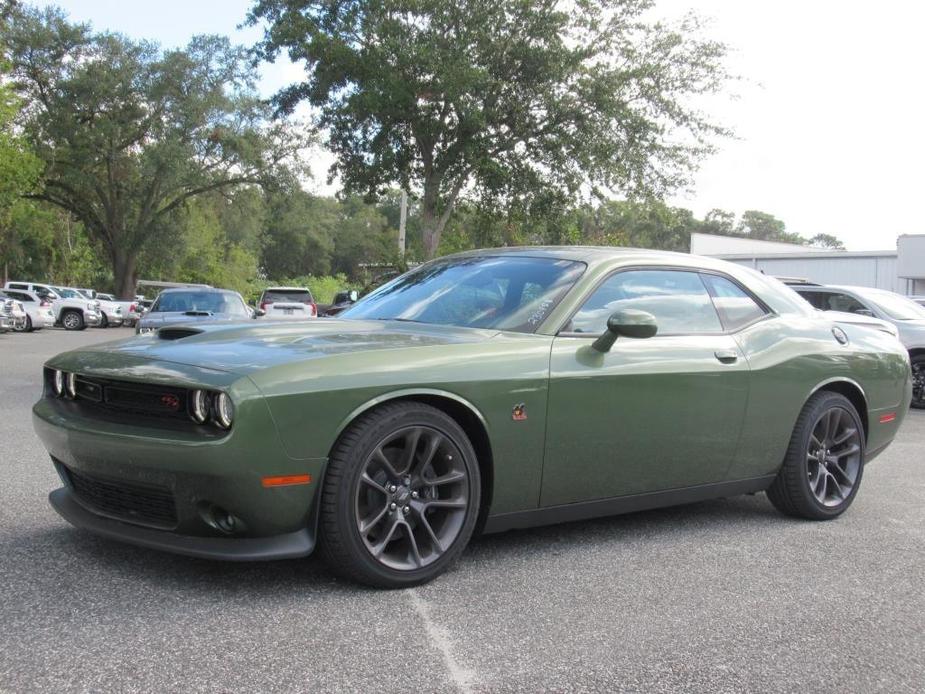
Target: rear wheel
[[25, 327], [401, 496], [918, 382], [824, 464], [73, 320]]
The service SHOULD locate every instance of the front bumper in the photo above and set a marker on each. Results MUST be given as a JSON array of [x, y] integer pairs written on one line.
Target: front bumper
[[289, 546], [203, 478]]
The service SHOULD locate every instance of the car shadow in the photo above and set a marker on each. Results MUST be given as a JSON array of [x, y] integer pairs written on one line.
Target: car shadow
[[62, 556]]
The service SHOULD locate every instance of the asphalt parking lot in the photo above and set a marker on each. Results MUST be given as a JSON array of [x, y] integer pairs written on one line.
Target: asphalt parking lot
[[719, 596]]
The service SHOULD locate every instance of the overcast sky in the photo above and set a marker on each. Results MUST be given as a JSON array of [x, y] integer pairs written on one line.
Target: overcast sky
[[829, 120]]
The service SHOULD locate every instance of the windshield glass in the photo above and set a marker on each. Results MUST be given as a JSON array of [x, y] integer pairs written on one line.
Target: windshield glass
[[213, 302], [296, 296], [895, 306], [497, 292], [67, 293]]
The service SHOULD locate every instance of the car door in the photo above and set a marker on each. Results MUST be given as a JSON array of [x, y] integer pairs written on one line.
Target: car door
[[651, 414]]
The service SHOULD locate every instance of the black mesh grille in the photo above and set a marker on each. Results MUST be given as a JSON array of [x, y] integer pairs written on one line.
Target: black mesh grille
[[149, 505]]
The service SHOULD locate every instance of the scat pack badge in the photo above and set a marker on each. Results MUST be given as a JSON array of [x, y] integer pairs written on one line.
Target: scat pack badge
[[519, 413]]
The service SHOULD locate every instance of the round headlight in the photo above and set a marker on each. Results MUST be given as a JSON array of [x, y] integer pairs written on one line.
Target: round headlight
[[224, 410], [70, 383], [199, 406], [59, 382]]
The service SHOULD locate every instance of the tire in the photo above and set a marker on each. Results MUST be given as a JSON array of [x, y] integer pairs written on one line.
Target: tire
[[25, 327], [420, 514], [824, 464], [73, 320], [918, 382], [104, 321]]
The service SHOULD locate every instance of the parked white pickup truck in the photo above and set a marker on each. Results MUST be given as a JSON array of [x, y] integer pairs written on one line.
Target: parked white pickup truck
[[113, 313], [72, 309], [129, 308]]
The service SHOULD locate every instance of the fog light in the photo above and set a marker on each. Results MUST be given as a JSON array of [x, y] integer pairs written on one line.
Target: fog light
[[70, 384], [199, 406], [59, 383], [224, 410]]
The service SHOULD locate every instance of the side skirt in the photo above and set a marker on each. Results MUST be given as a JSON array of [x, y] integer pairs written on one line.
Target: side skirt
[[613, 506]]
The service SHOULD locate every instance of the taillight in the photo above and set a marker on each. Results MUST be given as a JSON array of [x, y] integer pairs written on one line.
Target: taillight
[[133, 308], [264, 304], [314, 309], [45, 304]]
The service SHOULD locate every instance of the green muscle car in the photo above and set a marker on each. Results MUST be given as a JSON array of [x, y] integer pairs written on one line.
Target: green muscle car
[[480, 392]]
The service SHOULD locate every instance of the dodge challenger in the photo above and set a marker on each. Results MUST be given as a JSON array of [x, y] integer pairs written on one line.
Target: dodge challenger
[[481, 392]]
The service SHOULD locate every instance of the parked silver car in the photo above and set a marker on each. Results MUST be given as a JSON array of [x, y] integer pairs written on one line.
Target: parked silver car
[[39, 312], [907, 315], [111, 311]]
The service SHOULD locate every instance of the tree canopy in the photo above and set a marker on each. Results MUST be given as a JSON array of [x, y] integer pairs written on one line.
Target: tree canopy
[[129, 133], [498, 99]]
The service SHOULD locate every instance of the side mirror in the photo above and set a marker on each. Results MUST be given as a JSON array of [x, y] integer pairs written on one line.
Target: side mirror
[[628, 323], [259, 312], [864, 312]]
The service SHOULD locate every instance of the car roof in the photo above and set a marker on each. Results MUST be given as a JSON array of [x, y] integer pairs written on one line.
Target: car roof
[[287, 289], [198, 290]]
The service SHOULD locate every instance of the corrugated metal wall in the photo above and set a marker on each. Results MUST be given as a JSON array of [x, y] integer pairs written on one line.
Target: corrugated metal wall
[[865, 271]]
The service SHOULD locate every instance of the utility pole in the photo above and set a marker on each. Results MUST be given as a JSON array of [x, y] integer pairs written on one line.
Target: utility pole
[[401, 223]]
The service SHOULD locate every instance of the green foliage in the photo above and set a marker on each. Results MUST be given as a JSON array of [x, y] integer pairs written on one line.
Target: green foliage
[[501, 100], [129, 133]]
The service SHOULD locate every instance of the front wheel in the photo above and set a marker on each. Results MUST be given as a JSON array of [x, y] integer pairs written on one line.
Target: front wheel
[[25, 327], [824, 464], [918, 382], [73, 320], [400, 498]]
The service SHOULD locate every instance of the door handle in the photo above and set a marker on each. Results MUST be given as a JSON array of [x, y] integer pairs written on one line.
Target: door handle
[[726, 356]]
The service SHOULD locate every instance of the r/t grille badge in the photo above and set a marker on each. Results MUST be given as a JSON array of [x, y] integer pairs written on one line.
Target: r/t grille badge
[[519, 413]]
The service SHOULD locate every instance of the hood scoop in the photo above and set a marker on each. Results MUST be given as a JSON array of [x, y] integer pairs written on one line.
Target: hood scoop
[[177, 333]]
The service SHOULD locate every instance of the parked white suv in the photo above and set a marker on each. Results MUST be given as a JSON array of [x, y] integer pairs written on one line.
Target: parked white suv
[[72, 310], [291, 303]]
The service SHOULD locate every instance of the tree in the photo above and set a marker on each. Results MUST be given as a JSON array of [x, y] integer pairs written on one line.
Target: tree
[[19, 169], [827, 241], [498, 99], [129, 134]]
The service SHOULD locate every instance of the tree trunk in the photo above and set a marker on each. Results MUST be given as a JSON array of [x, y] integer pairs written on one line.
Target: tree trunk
[[429, 221], [124, 277]]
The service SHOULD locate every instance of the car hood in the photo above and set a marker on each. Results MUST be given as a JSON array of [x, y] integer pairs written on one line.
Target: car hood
[[246, 347]]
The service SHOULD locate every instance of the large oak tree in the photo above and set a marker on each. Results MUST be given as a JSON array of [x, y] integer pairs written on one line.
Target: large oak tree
[[498, 99], [129, 133]]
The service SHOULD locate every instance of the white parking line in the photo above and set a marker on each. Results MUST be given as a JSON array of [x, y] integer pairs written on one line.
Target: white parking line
[[461, 677]]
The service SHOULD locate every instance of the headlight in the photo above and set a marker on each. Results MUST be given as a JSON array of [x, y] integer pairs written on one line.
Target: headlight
[[199, 406], [59, 383], [224, 411], [71, 385]]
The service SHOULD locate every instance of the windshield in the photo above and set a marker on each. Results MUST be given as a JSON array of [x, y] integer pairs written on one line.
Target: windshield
[[67, 293], [296, 296], [212, 302], [497, 292], [895, 306]]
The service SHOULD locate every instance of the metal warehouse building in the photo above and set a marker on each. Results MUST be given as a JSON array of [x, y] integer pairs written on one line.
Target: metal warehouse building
[[901, 270]]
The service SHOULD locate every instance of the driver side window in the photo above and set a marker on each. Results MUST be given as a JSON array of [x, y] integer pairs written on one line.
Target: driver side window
[[677, 298]]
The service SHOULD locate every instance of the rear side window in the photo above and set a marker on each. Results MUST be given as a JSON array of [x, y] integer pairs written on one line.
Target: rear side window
[[678, 299], [289, 296], [13, 285], [736, 308]]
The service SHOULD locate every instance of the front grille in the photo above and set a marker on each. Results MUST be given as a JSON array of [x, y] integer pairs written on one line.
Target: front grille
[[136, 503]]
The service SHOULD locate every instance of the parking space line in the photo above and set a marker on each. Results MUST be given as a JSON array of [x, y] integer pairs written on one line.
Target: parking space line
[[460, 676]]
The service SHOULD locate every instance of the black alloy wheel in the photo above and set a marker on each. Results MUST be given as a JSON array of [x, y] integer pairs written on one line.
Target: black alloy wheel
[[824, 464], [401, 496]]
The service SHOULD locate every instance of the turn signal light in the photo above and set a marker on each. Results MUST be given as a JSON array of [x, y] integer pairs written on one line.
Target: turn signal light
[[286, 480]]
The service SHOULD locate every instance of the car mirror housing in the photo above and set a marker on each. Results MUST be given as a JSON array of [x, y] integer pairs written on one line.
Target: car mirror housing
[[627, 323]]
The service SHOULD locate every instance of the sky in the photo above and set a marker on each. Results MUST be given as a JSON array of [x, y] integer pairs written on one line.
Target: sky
[[828, 115]]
